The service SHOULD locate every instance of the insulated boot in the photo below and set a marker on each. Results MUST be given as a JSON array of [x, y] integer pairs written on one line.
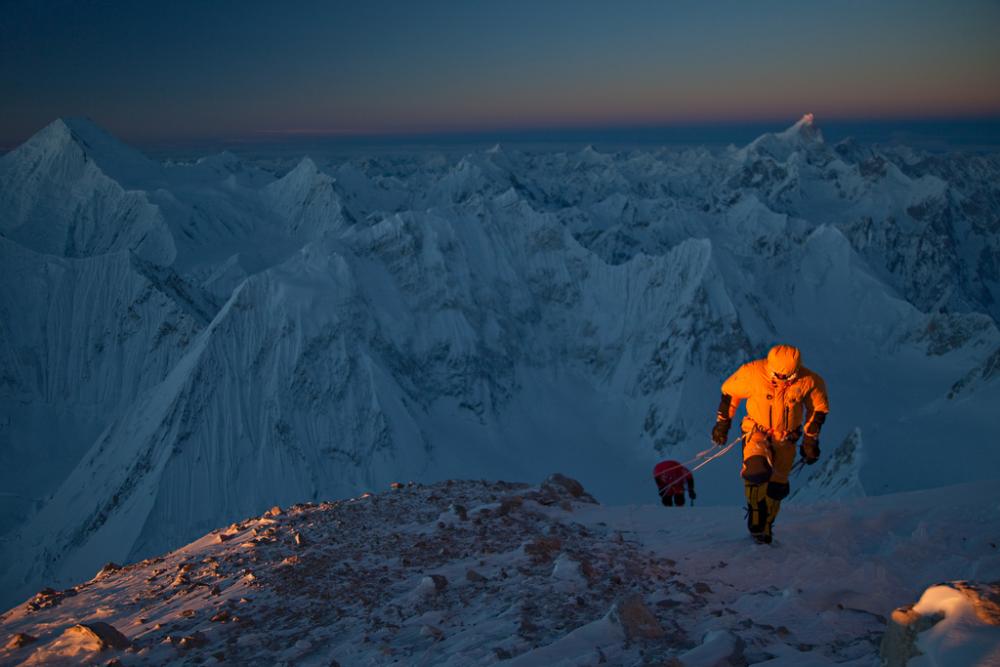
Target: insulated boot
[[757, 512], [775, 493], [773, 507]]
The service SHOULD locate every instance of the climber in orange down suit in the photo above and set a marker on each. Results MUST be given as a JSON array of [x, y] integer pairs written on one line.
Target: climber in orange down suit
[[785, 401]]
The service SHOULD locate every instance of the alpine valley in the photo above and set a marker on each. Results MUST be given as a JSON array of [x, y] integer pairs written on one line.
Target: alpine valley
[[187, 344]]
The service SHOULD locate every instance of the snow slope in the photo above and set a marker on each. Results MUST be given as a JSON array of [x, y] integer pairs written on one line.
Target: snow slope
[[473, 573], [189, 343], [79, 338]]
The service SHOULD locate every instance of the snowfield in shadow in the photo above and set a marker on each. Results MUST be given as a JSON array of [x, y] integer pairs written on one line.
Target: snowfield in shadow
[[478, 573]]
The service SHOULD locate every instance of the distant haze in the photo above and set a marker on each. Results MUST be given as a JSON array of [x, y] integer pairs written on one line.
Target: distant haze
[[227, 70]]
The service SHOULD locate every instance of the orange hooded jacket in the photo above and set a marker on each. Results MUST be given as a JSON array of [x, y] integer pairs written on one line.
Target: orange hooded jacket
[[777, 406]]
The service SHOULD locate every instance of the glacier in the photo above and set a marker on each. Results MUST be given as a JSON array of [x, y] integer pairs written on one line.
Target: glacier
[[187, 343]]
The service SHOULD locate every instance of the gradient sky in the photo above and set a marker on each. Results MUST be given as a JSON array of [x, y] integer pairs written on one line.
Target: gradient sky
[[158, 71]]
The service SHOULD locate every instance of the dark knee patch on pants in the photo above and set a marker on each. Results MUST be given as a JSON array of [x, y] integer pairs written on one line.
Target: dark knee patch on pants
[[777, 490], [756, 470]]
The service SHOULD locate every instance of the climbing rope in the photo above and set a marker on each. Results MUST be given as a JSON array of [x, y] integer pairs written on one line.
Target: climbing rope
[[700, 456], [714, 448], [718, 454]]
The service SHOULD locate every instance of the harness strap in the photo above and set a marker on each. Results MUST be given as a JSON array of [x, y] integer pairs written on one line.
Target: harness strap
[[774, 435]]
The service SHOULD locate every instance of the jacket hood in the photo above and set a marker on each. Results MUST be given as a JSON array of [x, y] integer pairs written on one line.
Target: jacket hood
[[784, 359]]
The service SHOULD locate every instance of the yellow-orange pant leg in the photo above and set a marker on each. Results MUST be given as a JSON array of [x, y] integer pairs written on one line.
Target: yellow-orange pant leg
[[779, 455], [783, 459], [766, 466], [757, 444]]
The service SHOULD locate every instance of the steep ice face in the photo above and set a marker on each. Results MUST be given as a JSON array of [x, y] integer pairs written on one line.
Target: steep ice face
[[60, 195], [837, 476], [79, 339], [306, 199], [491, 315]]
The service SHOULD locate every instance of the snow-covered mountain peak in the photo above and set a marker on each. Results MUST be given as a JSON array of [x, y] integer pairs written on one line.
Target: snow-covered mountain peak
[[805, 126], [53, 136], [305, 196], [306, 168], [81, 137], [71, 190], [804, 132], [591, 156], [804, 135]]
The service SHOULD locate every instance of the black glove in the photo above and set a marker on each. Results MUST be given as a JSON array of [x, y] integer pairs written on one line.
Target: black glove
[[692, 495], [809, 449], [720, 432]]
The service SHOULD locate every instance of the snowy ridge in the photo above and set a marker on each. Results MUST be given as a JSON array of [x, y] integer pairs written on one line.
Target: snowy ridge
[[58, 196], [838, 474], [307, 199], [783, 145], [463, 573], [118, 160], [495, 314]]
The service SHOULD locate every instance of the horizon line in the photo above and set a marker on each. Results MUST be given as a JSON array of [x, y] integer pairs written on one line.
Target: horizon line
[[536, 131], [614, 125]]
